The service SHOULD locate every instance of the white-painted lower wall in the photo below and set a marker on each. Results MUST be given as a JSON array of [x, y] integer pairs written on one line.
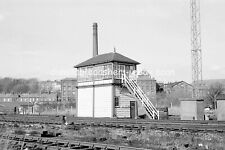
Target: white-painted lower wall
[[220, 110], [188, 110], [85, 102], [103, 101], [123, 110]]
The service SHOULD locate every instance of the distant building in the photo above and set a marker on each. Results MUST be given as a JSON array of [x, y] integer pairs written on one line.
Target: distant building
[[181, 88], [25, 102], [8, 97], [48, 87], [27, 97], [68, 89], [148, 85]]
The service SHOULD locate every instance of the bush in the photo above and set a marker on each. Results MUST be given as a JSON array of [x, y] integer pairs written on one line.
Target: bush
[[33, 133], [20, 132]]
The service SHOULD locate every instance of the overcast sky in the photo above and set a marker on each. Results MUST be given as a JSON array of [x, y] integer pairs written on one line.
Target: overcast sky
[[46, 38]]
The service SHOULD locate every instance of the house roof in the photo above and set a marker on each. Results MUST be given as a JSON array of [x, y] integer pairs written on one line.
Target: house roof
[[190, 99], [172, 84], [69, 79], [221, 97], [105, 58]]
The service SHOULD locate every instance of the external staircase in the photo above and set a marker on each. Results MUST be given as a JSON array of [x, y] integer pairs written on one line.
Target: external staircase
[[132, 86]]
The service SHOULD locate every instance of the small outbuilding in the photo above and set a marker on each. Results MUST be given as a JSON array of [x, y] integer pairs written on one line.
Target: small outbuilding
[[192, 109], [220, 107]]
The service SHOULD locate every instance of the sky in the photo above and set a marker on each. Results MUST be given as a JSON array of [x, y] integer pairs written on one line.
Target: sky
[[44, 39]]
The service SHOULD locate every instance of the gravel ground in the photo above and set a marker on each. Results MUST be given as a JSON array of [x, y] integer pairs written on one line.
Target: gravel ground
[[149, 139], [155, 139]]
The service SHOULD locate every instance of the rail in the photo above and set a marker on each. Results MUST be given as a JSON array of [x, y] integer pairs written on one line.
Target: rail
[[32, 142], [131, 124]]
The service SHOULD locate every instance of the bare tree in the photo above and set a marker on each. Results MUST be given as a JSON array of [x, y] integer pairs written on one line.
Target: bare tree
[[11, 85], [214, 90]]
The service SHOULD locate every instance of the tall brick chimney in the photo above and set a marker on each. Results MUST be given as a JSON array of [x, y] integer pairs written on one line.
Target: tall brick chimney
[[95, 39]]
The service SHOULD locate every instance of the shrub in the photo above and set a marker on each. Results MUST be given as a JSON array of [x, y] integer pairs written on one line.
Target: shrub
[[32, 133], [20, 132]]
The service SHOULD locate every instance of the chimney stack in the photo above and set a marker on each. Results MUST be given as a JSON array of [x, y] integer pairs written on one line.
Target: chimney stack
[[95, 39]]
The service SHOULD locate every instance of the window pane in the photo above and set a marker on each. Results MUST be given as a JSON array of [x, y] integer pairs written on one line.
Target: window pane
[[101, 72], [107, 71], [117, 101], [89, 74], [110, 70], [127, 69], [97, 72], [121, 69], [116, 71]]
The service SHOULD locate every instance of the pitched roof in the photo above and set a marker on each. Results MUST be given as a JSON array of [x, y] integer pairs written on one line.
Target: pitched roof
[[221, 97], [191, 99], [105, 58], [172, 84], [69, 79]]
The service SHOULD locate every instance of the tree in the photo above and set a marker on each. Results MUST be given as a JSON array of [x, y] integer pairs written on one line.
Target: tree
[[33, 86], [162, 100], [10, 85], [214, 90], [1, 88], [172, 98], [21, 88], [158, 88]]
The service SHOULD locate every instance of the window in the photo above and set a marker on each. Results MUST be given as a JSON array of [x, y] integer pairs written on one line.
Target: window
[[89, 74], [127, 70], [110, 70], [85, 74], [80, 74], [116, 70], [99, 72], [132, 68], [107, 71], [121, 70], [117, 101]]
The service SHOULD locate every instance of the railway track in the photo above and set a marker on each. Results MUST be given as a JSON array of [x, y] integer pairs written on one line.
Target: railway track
[[40, 143], [131, 124]]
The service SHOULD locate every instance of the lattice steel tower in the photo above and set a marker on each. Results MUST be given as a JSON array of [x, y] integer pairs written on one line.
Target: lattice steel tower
[[196, 52]]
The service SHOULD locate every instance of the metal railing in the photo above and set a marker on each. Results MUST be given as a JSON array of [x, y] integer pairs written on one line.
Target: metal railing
[[132, 86]]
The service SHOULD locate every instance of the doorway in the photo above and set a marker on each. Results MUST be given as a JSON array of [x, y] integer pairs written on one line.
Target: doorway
[[132, 109]]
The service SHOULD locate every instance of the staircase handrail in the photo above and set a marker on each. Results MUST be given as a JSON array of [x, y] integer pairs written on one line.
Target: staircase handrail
[[132, 85]]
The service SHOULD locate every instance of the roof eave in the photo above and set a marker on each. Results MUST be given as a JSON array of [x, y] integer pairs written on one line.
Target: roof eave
[[78, 66]]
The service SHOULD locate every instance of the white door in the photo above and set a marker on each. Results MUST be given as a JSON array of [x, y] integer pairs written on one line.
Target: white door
[[85, 102], [103, 101]]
